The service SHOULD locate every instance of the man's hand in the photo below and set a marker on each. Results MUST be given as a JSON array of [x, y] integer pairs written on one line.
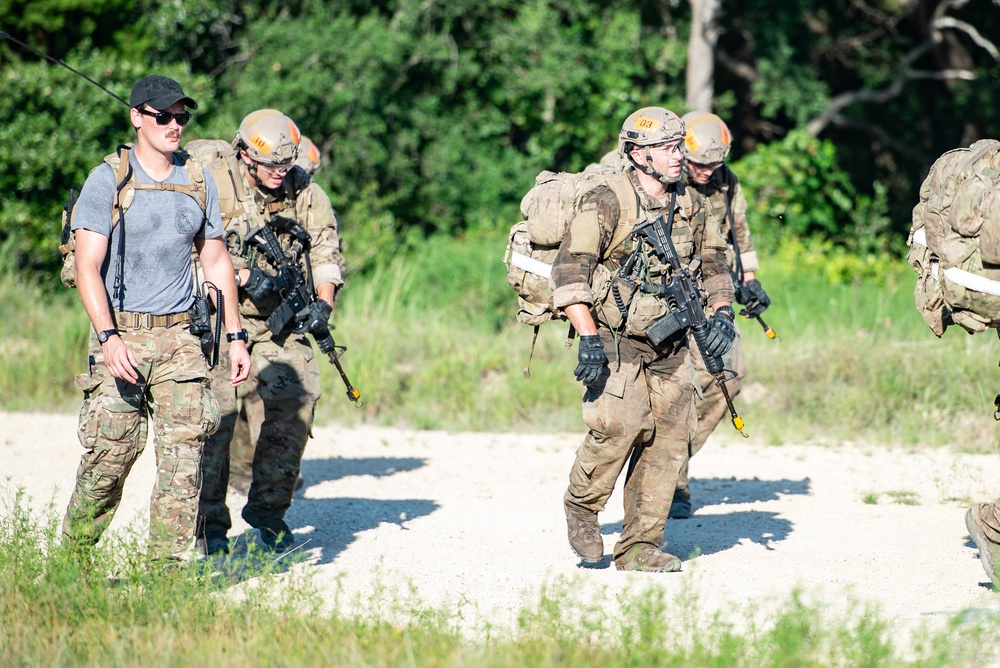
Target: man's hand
[[592, 360], [259, 285], [721, 332], [239, 362], [119, 359], [314, 318], [752, 296]]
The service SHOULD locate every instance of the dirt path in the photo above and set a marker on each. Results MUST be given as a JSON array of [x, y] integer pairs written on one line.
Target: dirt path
[[474, 521]]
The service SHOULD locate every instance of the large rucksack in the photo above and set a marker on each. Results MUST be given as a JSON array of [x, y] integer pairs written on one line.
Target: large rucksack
[[533, 243], [954, 240], [124, 194]]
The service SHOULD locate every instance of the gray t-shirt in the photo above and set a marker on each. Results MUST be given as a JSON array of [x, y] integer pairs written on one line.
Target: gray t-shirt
[[160, 227]]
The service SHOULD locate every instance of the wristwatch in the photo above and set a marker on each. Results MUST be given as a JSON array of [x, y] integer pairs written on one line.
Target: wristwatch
[[241, 335], [102, 337]]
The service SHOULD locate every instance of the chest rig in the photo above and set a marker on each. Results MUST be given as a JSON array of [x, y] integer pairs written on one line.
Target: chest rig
[[631, 261], [246, 209]]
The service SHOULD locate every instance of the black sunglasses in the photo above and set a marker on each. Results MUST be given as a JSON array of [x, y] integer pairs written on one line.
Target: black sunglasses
[[163, 117]]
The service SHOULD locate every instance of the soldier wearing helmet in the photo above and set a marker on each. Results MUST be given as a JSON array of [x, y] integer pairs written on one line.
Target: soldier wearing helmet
[[309, 156], [707, 141], [264, 187], [251, 413], [638, 402]]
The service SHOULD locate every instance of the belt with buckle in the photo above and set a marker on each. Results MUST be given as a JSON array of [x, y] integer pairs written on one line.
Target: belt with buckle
[[131, 320]]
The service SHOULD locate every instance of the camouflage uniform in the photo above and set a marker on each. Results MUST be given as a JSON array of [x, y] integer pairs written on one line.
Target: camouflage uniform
[[251, 412], [644, 408], [287, 374], [710, 402], [113, 427]]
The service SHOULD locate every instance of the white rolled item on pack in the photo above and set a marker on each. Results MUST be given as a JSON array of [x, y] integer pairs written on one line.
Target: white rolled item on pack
[[965, 279], [973, 282], [531, 265]]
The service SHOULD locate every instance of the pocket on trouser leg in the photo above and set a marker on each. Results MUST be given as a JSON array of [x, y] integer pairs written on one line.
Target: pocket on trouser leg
[[604, 409], [112, 434], [211, 413]]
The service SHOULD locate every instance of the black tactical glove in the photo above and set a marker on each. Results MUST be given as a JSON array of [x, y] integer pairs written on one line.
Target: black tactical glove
[[314, 318], [721, 332], [259, 286], [592, 360], [754, 298]]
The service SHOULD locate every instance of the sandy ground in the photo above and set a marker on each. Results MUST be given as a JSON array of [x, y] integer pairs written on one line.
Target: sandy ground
[[473, 523]]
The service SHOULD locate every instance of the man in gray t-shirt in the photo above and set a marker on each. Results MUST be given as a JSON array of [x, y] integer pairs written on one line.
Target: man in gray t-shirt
[[133, 241]]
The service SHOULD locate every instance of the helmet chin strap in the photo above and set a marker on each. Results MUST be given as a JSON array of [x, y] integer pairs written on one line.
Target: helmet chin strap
[[648, 168], [256, 181]]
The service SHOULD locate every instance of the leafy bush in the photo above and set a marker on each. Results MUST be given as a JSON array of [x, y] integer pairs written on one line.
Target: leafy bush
[[795, 188]]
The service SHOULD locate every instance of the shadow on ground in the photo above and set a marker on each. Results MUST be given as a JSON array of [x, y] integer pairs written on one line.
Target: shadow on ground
[[338, 521], [711, 533], [717, 491], [315, 471]]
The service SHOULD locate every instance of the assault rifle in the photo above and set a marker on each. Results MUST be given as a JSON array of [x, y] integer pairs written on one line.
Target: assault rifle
[[296, 291], [684, 298]]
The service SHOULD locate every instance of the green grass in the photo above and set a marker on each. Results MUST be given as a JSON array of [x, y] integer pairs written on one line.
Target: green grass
[[432, 344], [903, 497], [56, 612]]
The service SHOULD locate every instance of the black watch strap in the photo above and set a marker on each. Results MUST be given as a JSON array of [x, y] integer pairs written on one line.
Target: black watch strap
[[241, 335], [102, 337]]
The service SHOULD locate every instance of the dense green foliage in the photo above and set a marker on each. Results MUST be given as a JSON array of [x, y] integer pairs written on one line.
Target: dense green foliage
[[435, 117]]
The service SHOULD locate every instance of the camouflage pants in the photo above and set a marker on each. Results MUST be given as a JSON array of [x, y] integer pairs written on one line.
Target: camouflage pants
[[710, 403], [246, 431], [113, 427], [643, 415], [286, 377]]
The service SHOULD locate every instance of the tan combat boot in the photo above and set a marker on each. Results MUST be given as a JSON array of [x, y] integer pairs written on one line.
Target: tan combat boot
[[645, 557], [989, 552], [584, 534]]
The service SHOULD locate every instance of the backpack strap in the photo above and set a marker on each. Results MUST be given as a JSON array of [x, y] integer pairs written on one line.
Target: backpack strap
[[121, 202], [629, 206]]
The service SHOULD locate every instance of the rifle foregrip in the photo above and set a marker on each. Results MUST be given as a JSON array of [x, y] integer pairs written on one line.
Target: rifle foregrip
[[713, 363], [325, 342]]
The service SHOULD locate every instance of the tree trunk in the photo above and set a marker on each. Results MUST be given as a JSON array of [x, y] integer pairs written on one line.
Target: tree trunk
[[700, 77]]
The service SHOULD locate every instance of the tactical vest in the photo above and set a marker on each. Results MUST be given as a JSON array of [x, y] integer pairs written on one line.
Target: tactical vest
[[618, 303], [242, 213]]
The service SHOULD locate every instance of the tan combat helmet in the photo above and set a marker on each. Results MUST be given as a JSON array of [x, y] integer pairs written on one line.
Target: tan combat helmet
[[268, 136], [309, 156], [647, 127], [708, 138]]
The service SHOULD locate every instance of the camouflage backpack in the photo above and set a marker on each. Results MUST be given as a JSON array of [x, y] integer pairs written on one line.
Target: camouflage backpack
[[124, 194], [533, 243], [954, 240]]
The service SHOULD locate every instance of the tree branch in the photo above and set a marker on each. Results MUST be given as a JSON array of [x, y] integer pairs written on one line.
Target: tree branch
[[903, 72]]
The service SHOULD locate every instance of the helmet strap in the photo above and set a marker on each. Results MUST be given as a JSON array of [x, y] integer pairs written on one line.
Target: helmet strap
[[648, 167]]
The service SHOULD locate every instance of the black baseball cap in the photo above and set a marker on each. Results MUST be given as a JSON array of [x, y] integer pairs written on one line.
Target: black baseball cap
[[159, 93]]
